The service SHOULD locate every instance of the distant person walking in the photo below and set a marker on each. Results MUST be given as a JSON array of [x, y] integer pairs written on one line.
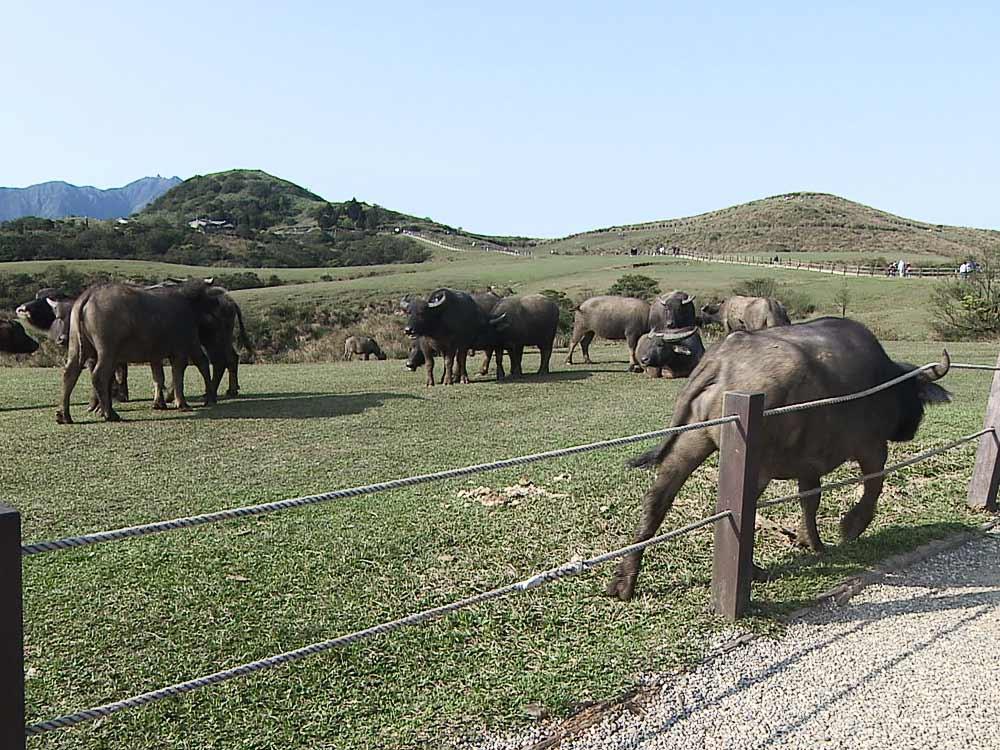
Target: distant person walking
[[901, 268]]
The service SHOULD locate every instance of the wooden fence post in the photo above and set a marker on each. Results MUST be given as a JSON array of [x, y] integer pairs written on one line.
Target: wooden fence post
[[739, 461], [986, 473], [11, 632]]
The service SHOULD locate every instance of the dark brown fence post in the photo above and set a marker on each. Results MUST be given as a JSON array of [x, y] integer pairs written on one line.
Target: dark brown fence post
[[986, 473], [11, 632], [739, 460]]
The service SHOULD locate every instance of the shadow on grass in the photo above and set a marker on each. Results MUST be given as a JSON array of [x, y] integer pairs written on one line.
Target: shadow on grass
[[810, 571], [297, 406]]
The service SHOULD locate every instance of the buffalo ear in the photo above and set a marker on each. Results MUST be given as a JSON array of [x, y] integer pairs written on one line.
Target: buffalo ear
[[53, 304], [932, 393]]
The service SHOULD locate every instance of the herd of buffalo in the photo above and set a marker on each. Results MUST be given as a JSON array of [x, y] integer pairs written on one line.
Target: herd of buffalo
[[111, 325]]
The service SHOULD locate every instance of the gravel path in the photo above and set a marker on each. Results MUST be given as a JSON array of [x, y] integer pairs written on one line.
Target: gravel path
[[910, 662]]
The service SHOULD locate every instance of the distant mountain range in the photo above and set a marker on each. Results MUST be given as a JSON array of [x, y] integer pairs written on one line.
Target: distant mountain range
[[55, 200]]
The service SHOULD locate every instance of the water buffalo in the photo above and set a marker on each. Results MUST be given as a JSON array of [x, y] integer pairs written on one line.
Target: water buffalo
[[13, 339], [530, 320], [487, 301], [453, 324], [676, 351], [671, 311], [791, 364], [610, 317], [50, 312], [746, 314], [363, 346], [113, 323]]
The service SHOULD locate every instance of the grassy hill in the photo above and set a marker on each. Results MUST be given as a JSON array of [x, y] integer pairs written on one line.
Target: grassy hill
[[790, 223]]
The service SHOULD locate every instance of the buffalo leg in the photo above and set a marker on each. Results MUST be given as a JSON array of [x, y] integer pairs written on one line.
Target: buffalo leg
[[583, 337], [429, 367], [545, 355], [177, 367], [856, 520], [159, 385], [488, 355], [366, 355], [103, 374], [687, 453], [71, 373], [460, 360], [516, 354], [201, 362], [808, 534], [233, 364], [633, 362], [449, 367]]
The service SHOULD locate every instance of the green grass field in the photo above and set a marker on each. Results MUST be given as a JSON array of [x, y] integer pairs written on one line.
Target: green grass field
[[113, 620]]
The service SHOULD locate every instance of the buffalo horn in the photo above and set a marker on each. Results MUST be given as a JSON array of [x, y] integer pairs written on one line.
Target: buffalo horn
[[437, 300], [940, 369], [672, 335]]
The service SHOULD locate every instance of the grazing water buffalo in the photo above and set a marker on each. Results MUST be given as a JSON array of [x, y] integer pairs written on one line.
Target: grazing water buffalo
[[50, 312], [453, 324], [677, 352], [610, 317], [363, 346], [746, 314], [530, 320], [113, 323], [13, 339], [792, 364]]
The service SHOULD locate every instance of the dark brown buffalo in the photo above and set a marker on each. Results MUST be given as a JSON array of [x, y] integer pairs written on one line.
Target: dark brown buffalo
[[671, 353], [531, 320], [113, 323], [50, 312], [453, 324], [13, 339], [610, 317], [487, 301], [792, 364], [362, 346], [746, 314], [672, 311]]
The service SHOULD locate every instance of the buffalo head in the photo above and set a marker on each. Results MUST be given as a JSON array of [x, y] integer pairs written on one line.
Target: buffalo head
[[14, 340]]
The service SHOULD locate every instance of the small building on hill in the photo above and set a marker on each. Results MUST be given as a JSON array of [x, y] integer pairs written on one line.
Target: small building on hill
[[211, 225]]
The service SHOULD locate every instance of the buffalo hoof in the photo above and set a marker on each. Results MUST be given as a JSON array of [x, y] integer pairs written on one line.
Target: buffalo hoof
[[113, 416], [635, 368], [184, 407], [63, 418], [622, 587], [160, 405], [233, 393], [210, 400], [852, 525]]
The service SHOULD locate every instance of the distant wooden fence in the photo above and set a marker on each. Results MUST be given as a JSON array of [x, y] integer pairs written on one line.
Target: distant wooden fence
[[828, 266]]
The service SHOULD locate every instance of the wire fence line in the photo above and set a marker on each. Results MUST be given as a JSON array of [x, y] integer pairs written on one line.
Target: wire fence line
[[915, 459], [256, 510], [158, 527], [566, 570]]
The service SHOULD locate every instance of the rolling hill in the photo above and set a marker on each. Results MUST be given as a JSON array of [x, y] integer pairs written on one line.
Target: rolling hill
[[793, 222], [56, 200]]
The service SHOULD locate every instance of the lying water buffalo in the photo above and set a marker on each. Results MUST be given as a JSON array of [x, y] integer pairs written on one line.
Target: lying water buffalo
[[453, 324], [13, 339], [610, 317], [791, 364], [674, 310], [363, 346], [50, 312], [530, 320], [746, 314], [113, 323], [677, 352]]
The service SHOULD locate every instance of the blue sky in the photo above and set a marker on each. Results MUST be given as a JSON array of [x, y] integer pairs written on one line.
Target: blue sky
[[518, 118]]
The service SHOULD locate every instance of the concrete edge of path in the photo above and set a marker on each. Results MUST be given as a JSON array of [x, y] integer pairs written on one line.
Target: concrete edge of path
[[840, 594]]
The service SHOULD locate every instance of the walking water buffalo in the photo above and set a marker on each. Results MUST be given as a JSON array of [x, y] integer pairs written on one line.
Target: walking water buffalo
[[531, 320], [13, 339], [453, 324], [610, 317], [113, 323], [746, 314], [50, 312], [792, 364], [363, 346]]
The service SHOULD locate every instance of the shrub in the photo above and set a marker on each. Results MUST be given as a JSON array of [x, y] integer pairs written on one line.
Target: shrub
[[636, 285], [969, 308]]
